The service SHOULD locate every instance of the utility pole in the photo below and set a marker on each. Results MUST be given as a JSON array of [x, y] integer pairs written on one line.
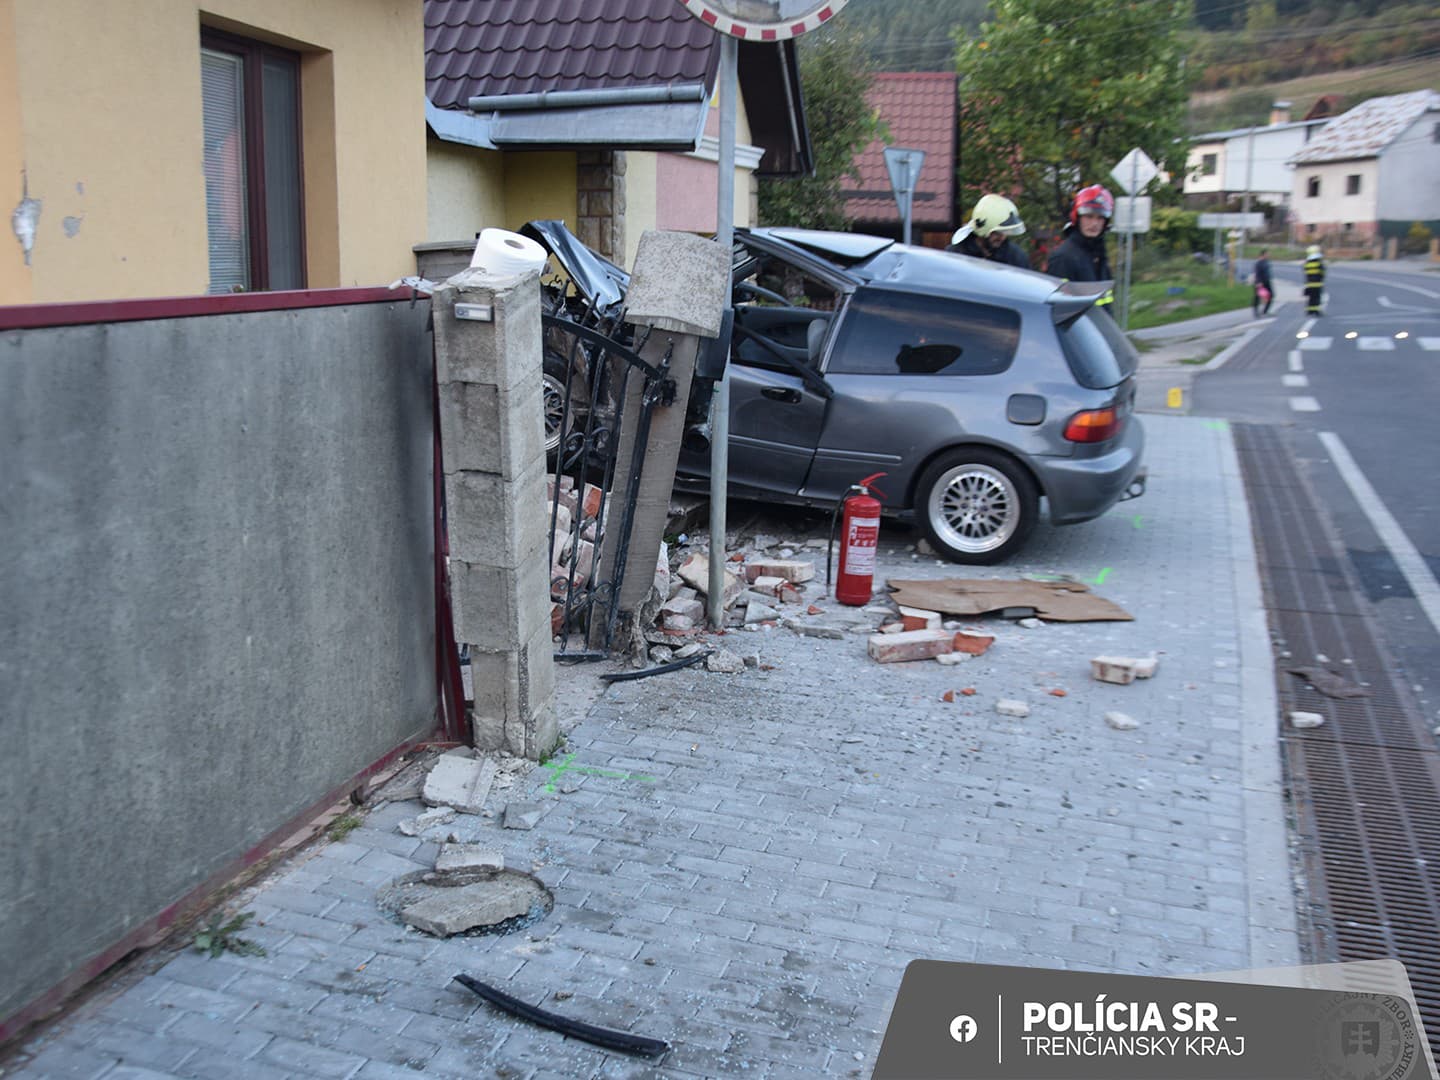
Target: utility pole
[[1249, 180]]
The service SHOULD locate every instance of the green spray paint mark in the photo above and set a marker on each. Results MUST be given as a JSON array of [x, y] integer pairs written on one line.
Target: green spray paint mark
[[1136, 520], [1218, 425], [558, 769], [1100, 577]]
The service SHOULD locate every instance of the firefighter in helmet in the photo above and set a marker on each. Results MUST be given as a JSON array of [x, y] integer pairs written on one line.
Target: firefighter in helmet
[[1314, 279], [987, 235], [1081, 256]]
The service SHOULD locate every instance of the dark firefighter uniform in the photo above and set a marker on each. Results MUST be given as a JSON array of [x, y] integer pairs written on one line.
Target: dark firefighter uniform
[[1314, 281]]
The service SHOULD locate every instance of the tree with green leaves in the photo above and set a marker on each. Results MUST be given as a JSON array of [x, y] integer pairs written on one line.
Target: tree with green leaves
[[1055, 92], [834, 78]]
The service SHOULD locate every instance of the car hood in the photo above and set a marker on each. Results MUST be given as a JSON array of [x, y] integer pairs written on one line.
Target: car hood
[[599, 280]]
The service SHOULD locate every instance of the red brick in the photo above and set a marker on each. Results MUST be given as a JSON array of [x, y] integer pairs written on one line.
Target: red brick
[[911, 645]]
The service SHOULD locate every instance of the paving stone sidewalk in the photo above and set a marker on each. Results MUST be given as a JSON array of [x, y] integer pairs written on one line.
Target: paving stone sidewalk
[[743, 865]]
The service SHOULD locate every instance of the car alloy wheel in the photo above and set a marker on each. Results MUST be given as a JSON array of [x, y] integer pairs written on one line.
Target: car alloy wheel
[[977, 506], [553, 391]]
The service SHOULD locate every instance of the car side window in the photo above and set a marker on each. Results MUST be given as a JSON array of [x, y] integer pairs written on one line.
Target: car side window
[[895, 333], [775, 304]]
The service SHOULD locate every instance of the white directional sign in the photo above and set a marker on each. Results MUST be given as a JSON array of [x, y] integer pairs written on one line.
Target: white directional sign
[[1132, 215], [904, 168], [1135, 171], [1232, 221]]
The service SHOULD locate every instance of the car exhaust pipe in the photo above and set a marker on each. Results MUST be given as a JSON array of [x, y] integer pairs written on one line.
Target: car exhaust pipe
[[1136, 487]]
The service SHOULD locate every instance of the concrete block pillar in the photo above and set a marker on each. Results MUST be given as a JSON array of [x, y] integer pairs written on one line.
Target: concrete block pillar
[[488, 365], [679, 287]]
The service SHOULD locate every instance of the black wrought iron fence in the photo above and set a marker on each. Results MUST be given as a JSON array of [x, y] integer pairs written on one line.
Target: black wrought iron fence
[[600, 395]]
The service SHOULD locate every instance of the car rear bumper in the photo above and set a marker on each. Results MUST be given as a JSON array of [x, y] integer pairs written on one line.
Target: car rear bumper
[[1083, 488]]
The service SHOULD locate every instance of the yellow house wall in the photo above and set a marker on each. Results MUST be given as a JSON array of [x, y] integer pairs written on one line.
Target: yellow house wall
[[538, 185], [115, 156], [641, 199], [465, 191], [14, 277]]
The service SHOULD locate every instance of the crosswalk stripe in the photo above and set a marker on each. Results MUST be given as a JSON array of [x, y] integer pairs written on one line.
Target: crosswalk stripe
[[1429, 344], [1304, 404], [1376, 344], [1294, 380], [1296, 363], [1315, 344]]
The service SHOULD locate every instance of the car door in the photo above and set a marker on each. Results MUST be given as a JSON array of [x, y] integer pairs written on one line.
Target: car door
[[784, 304]]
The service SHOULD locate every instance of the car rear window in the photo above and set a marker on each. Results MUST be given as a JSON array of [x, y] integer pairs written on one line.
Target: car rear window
[[896, 333], [1100, 356]]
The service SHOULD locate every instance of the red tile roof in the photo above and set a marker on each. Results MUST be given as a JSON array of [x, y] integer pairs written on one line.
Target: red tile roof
[[919, 108], [479, 47]]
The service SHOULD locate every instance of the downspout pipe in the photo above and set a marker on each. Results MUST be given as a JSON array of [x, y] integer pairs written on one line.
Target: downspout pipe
[[580, 99]]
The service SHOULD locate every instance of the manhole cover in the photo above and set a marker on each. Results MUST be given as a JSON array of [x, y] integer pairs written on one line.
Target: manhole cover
[[490, 902]]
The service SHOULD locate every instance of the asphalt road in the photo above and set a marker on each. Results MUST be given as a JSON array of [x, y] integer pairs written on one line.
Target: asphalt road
[[1359, 391]]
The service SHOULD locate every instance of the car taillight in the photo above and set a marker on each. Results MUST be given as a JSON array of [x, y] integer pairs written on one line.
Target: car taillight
[[1094, 425]]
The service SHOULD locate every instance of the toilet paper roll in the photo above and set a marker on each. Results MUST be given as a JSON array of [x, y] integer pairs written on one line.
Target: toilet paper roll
[[501, 252]]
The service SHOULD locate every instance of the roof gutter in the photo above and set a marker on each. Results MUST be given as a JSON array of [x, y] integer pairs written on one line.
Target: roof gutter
[[579, 99]]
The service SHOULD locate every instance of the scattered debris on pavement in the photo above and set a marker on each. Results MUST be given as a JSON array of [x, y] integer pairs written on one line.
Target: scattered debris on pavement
[[1121, 721], [624, 1041], [459, 782], [1302, 720], [1054, 601], [1122, 670], [1011, 707], [910, 645], [1330, 684]]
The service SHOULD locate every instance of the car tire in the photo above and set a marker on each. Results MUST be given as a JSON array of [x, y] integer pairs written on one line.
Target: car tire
[[976, 506], [552, 391]]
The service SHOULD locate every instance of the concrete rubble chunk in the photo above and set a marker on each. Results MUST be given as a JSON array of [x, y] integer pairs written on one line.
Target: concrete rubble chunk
[[461, 783], [672, 621], [661, 654], [724, 662], [758, 612], [919, 618], [954, 658], [695, 571], [1145, 666], [465, 907], [768, 583], [815, 630], [459, 858], [687, 651], [910, 645], [522, 815], [692, 609], [1011, 707], [1302, 720], [1121, 721], [1032, 623], [440, 815], [795, 571], [1113, 669]]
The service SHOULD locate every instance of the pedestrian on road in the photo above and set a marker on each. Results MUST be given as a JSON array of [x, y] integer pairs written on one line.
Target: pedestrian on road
[[1264, 287], [987, 234], [1314, 279], [1081, 255]]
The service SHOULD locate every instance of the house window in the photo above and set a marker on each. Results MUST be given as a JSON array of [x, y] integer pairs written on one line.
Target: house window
[[1348, 227], [1352, 184], [1312, 187], [254, 213], [1208, 164]]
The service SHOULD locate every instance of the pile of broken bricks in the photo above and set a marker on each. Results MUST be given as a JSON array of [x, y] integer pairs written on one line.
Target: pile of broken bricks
[[468, 889], [576, 523]]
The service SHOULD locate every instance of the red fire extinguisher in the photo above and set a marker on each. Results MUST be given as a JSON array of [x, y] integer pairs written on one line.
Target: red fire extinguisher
[[859, 535]]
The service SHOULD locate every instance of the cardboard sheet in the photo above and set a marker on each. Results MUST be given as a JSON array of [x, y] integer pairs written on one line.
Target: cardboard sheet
[[1057, 601]]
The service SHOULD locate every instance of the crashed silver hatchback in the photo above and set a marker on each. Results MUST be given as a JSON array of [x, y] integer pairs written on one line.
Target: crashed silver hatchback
[[978, 389]]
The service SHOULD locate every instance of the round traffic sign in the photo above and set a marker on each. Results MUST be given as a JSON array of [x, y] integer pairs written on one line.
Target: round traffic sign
[[763, 20]]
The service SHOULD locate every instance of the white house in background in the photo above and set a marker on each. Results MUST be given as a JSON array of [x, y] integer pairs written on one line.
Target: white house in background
[[1225, 163], [1372, 172]]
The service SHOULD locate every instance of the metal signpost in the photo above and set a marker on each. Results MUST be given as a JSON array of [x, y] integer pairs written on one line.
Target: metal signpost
[[1133, 172], [904, 168], [737, 20]]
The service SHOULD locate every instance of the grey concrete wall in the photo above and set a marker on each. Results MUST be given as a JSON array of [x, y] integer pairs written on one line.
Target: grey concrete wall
[[216, 580]]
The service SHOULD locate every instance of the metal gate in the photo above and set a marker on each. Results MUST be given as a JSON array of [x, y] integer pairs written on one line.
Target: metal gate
[[599, 399]]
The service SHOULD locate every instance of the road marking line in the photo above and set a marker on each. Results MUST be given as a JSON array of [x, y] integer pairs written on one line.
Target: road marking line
[[1304, 404], [1305, 329], [1316, 344], [1297, 362], [1407, 557], [1294, 380], [1429, 344], [1376, 344]]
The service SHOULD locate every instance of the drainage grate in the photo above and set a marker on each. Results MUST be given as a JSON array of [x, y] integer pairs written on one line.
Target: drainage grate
[[1366, 785]]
